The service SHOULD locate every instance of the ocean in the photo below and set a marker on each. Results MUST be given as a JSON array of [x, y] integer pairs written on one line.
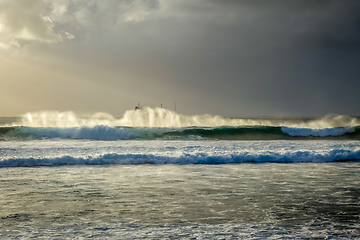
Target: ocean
[[153, 173]]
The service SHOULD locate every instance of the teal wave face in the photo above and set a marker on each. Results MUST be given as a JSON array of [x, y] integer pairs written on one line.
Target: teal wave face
[[95, 133], [230, 133], [9, 133], [4, 130], [193, 133], [265, 133]]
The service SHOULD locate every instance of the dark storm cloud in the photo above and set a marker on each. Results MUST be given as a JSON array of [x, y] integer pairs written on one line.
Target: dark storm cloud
[[304, 23], [273, 57], [284, 5], [248, 57]]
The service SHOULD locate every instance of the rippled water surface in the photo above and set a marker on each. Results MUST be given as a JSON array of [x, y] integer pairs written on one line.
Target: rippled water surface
[[306, 200]]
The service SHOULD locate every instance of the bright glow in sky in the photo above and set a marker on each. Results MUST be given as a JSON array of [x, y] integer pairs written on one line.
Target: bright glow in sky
[[232, 58]]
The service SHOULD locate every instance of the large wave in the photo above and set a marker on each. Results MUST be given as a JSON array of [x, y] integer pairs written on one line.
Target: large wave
[[98, 132], [159, 123], [163, 118], [101, 132]]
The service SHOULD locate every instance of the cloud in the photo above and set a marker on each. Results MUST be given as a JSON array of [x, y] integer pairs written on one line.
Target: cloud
[[26, 20], [212, 56], [57, 20], [109, 13], [297, 23]]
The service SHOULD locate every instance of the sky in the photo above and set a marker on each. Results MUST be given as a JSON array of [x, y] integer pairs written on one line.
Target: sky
[[221, 57]]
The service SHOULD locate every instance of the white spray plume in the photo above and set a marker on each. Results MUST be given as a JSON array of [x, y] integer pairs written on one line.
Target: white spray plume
[[164, 118]]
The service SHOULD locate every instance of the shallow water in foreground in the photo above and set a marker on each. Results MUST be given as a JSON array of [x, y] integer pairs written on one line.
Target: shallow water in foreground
[[298, 200]]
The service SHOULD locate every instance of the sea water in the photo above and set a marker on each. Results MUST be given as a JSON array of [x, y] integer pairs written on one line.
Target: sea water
[[157, 174]]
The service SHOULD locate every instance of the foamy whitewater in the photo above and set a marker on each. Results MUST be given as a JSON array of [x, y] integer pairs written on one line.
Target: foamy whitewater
[[154, 173]]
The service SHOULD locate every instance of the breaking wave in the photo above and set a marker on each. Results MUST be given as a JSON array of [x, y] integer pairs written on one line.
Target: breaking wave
[[322, 132], [199, 158], [96, 133], [159, 123], [163, 118], [101, 132]]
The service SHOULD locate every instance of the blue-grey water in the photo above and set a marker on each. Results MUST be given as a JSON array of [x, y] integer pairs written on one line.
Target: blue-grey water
[[155, 174], [307, 200]]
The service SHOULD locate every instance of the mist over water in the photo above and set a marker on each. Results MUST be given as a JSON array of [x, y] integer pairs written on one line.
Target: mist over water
[[160, 123], [164, 118]]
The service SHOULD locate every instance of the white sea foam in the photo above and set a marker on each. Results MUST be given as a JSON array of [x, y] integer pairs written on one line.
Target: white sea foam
[[317, 132], [163, 118], [200, 231], [70, 152]]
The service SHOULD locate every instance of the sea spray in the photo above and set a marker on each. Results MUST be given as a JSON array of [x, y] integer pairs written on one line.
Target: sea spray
[[64, 119], [163, 118], [159, 123]]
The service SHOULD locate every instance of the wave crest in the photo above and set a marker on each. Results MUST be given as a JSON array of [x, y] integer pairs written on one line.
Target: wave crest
[[164, 118], [99, 132], [317, 132], [199, 158]]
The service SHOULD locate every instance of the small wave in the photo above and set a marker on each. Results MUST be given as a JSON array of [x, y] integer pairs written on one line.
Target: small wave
[[198, 158], [321, 132]]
